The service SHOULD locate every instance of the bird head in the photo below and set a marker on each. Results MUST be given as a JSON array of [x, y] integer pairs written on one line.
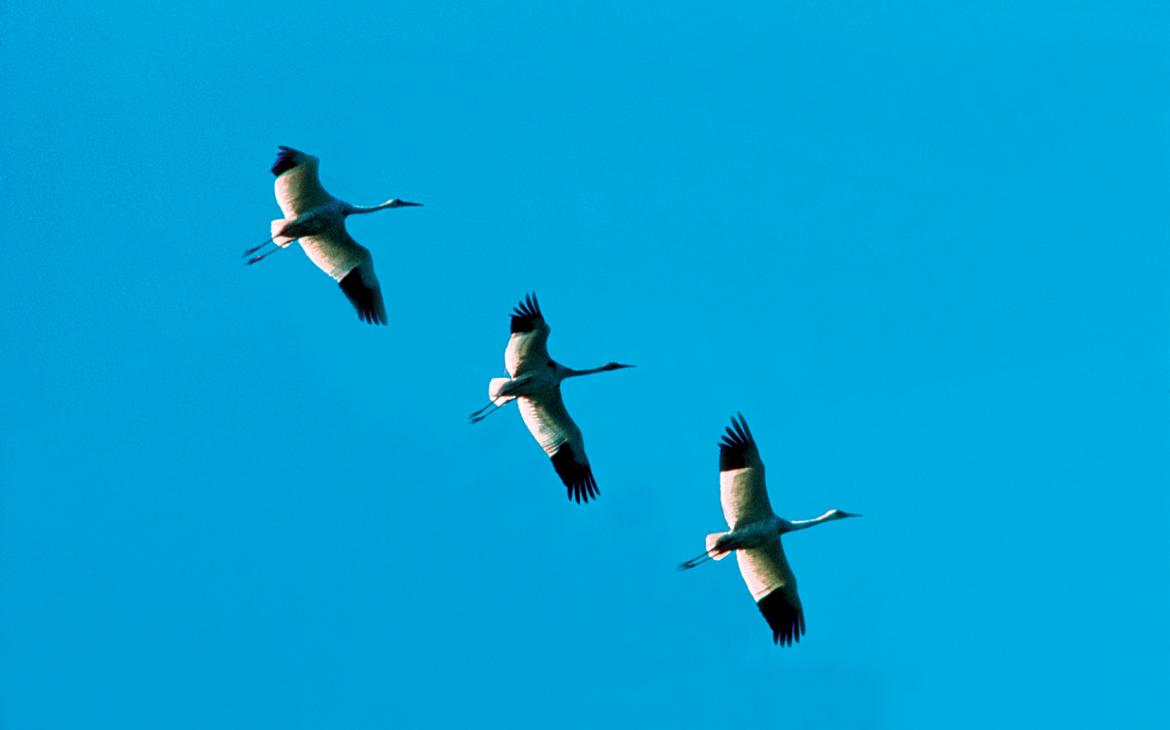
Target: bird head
[[396, 203], [837, 514]]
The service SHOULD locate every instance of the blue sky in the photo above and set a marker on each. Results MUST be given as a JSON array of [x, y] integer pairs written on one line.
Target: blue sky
[[923, 249]]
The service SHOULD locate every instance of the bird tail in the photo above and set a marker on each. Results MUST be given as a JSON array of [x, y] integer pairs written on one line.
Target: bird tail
[[277, 227], [711, 553], [712, 541], [494, 388]]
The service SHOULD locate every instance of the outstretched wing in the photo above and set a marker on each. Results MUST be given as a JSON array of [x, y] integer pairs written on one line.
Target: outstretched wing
[[741, 477], [528, 345], [550, 424], [767, 575], [350, 263], [298, 188]]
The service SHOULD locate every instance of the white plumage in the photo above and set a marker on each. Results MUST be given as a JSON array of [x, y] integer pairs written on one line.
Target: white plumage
[[754, 534], [535, 381], [317, 220]]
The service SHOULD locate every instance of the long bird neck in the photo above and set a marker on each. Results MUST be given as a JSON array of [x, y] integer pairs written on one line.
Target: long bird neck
[[359, 209], [571, 373], [794, 525]]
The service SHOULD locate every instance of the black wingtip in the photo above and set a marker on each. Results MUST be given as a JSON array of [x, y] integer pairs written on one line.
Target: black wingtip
[[784, 618], [736, 444], [577, 477], [286, 159], [365, 299], [583, 488], [526, 314]]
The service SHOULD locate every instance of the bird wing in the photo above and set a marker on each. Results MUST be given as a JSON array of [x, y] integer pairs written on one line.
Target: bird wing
[[741, 477], [350, 263], [552, 427], [298, 189], [528, 345], [771, 582]]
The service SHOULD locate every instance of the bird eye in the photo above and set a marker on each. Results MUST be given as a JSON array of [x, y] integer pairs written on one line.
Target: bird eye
[[551, 364]]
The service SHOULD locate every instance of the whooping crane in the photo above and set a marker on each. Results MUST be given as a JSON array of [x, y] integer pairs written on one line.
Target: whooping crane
[[317, 219], [535, 383], [755, 534]]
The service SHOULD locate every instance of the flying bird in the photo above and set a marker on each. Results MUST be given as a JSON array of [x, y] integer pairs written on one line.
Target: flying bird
[[317, 220], [535, 384], [754, 534]]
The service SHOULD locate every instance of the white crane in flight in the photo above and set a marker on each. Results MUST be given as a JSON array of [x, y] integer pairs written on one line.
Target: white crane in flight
[[535, 383], [755, 532], [317, 220]]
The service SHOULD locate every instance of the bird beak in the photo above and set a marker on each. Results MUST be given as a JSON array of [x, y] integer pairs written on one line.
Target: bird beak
[[407, 204], [624, 366], [848, 514]]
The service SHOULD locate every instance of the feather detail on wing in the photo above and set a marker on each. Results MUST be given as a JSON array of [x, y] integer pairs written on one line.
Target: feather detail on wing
[[528, 345], [575, 474], [741, 476], [361, 287], [766, 572], [298, 189], [553, 428], [350, 263]]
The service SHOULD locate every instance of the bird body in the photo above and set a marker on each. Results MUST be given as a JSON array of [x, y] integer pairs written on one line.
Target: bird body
[[310, 222], [745, 536], [535, 383], [754, 534], [317, 220], [538, 392]]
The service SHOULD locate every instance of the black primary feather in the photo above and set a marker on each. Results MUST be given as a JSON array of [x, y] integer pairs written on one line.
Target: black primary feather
[[736, 446], [526, 314], [286, 159], [785, 619], [366, 300], [577, 476]]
